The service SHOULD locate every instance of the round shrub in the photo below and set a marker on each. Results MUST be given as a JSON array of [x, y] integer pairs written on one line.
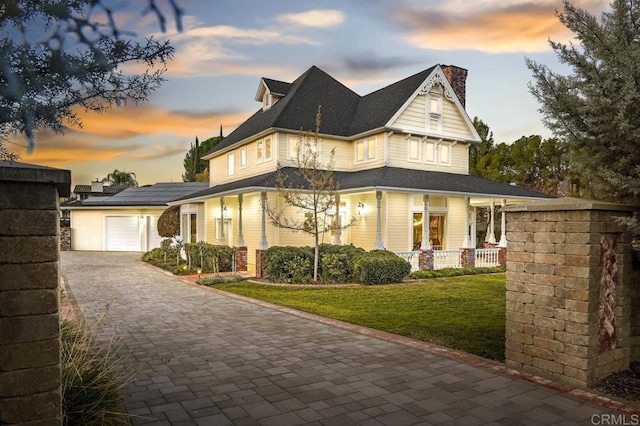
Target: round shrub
[[380, 267], [288, 264], [169, 222], [336, 262]]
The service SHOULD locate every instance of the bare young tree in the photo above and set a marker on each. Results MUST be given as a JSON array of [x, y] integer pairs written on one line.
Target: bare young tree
[[310, 187]]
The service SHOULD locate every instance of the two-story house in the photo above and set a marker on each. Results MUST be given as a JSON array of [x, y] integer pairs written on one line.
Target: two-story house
[[401, 157]]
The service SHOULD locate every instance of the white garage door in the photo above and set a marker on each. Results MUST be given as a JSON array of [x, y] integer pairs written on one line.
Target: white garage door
[[122, 233], [153, 239]]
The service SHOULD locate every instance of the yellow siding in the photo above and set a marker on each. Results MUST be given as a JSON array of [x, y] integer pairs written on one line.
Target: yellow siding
[[218, 165], [88, 226], [343, 157], [397, 222], [452, 121], [399, 157], [414, 116], [456, 218], [363, 233]]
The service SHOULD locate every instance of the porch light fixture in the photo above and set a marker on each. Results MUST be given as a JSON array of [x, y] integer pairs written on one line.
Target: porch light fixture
[[360, 208], [199, 272], [225, 211]]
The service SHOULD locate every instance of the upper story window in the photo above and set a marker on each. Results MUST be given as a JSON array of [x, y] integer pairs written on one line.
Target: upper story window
[[413, 149], [434, 109], [301, 149], [432, 152], [231, 164], [243, 157], [366, 150], [264, 150], [266, 101]]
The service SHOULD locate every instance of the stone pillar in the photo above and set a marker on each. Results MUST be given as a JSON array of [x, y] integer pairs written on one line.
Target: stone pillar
[[29, 304], [241, 259], [259, 256], [570, 290], [378, 245], [425, 260], [468, 258]]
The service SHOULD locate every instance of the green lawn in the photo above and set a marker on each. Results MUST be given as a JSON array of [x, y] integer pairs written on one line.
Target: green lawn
[[466, 313]]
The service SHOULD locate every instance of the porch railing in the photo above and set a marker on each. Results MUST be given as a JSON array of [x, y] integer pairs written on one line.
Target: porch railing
[[413, 257], [447, 259], [487, 257]]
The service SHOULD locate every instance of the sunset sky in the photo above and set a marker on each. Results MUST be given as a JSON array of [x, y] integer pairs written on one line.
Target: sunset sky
[[227, 45]]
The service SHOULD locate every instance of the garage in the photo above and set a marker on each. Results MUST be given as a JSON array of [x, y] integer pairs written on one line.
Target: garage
[[122, 233]]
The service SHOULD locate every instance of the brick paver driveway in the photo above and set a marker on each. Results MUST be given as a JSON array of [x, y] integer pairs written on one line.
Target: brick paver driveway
[[205, 358]]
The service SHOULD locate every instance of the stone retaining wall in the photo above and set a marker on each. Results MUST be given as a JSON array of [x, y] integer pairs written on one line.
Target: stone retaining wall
[[572, 292]]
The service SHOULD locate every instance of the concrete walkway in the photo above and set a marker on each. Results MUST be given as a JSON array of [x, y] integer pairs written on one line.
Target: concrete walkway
[[208, 359]]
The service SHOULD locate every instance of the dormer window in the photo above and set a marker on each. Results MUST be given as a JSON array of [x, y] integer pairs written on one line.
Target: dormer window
[[270, 91], [267, 100]]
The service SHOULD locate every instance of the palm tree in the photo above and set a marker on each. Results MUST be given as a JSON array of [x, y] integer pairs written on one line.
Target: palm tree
[[121, 178]]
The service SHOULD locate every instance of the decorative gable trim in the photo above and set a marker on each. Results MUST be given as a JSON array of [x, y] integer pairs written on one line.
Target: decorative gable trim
[[434, 79], [437, 77]]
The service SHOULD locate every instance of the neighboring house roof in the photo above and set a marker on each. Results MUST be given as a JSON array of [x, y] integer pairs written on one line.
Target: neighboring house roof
[[383, 178], [106, 190], [158, 194]]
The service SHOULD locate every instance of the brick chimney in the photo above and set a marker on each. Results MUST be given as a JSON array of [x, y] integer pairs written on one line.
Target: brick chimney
[[458, 79]]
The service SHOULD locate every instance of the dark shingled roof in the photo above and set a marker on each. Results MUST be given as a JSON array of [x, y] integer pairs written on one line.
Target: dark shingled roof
[[387, 177], [152, 195], [277, 87], [344, 112]]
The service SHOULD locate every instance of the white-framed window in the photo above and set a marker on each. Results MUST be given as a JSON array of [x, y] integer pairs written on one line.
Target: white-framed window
[[243, 157], [444, 153], [434, 109], [413, 148], [231, 164], [266, 101], [264, 150], [303, 148], [268, 149], [429, 149], [366, 150]]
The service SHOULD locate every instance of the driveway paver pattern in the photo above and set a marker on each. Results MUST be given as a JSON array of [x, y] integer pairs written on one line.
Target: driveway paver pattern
[[207, 359]]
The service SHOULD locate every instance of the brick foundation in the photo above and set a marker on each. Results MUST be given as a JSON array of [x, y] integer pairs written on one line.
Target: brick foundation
[[468, 258], [241, 259], [259, 256], [425, 260], [65, 238], [571, 295], [502, 256]]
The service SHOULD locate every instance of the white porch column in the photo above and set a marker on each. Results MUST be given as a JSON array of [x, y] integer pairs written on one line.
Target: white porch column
[[221, 239], [467, 225], [492, 232], [426, 245], [338, 231], [503, 226], [263, 235], [379, 245], [240, 236]]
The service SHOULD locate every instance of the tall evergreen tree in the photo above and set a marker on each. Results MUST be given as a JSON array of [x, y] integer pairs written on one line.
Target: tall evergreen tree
[[193, 163], [596, 107]]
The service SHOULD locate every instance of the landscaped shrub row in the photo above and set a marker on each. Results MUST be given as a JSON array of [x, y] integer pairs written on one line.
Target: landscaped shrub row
[[455, 272], [338, 264], [203, 256]]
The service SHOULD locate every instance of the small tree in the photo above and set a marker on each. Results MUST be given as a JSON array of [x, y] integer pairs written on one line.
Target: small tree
[[311, 188], [194, 166], [121, 178], [169, 222]]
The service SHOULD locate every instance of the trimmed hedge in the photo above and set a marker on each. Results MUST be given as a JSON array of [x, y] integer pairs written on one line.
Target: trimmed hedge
[[455, 272], [206, 257], [380, 267], [336, 263], [288, 264]]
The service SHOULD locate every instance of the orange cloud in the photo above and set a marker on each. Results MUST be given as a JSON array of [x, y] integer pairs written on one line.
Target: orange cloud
[[493, 27], [319, 18]]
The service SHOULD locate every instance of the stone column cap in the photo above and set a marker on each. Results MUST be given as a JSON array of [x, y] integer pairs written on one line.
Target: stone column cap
[[568, 203], [31, 173]]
